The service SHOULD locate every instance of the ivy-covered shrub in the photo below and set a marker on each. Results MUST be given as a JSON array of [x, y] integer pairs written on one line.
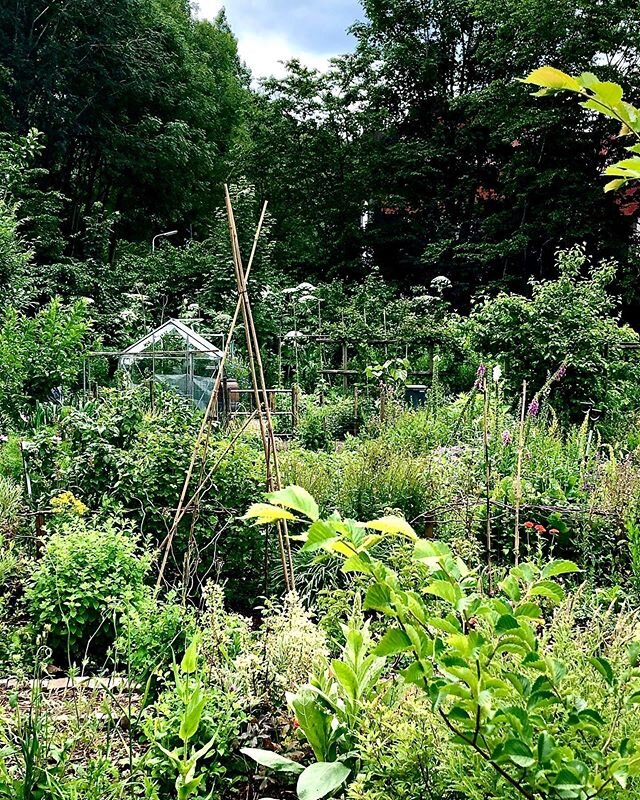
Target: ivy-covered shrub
[[87, 578]]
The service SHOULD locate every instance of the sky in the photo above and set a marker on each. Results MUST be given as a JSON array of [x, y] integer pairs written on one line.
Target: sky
[[270, 31]]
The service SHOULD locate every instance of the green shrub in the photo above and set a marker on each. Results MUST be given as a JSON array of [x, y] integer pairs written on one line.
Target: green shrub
[[150, 633], [571, 320], [552, 719], [39, 353], [86, 580], [320, 425], [11, 459], [119, 454]]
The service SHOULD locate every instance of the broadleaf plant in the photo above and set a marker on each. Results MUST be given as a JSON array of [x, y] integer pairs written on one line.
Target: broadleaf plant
[[328, 713], [604, 97], [481, 661]]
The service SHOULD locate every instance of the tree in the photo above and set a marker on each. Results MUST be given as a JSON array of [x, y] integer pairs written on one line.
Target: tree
[[304, 154], [39, 354], [139, 104], [473, 184]]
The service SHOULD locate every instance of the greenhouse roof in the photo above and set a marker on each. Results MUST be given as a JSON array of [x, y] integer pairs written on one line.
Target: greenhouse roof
[[193, 340]]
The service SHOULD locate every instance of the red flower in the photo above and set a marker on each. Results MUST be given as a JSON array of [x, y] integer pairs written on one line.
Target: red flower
[[553, 531], [296, 724], [528, 524], [541, 529]]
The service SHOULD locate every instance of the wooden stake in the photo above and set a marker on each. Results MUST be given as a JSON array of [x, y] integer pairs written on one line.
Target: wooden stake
[[516, 547]]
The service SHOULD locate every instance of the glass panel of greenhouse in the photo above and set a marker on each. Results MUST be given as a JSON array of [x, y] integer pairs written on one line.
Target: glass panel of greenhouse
[[177, 356]]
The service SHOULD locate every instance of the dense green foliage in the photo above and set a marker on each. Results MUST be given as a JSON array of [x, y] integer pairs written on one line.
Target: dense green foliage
[[85, 581], [423, 129], [442, 294]]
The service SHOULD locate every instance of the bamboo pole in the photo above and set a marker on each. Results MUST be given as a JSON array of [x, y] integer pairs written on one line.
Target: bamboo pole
[[487, 477], [519, 473], [206, 420], [261, 394]]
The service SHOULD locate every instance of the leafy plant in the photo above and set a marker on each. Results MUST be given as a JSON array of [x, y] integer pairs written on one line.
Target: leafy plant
[[571, 322], [149, 633], [191, 712], [479, 659], [10, 505], [603, 97], [40, 353], [328, 713], [85, 581]]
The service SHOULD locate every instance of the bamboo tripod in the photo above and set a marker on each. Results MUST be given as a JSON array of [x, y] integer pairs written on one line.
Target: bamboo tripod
[[262, 412]]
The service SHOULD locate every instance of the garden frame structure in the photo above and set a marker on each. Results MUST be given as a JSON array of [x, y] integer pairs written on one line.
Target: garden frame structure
[[233, 401], [198, 355]]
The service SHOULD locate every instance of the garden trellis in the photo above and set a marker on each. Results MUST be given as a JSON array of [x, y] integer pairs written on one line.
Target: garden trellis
[[263, 414]]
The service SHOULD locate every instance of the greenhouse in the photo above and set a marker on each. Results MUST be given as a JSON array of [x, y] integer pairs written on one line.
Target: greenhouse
[[175, 355]]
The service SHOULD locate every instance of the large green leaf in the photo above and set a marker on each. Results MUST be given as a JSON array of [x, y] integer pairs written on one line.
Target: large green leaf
[[604, 668], [319, 780], [516, 751], [190, 659], [394, 641], [319, 534], [450, 592], [271, 760], [264, 513], [568, 783], [507, 622], [298, 499], [430, 552], [378, 598], [346, 676], [559, 567], [192, 714], [314, 720], [392, 525], [549, 589], [552, 78]]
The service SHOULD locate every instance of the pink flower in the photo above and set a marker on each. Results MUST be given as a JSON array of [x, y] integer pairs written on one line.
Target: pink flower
[[560, 372]]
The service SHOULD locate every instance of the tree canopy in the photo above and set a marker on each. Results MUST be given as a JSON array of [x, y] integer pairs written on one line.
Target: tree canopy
[[419, 153]]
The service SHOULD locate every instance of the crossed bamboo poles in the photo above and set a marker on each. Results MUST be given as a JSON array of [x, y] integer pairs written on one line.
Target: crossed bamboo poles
[[262, 412]]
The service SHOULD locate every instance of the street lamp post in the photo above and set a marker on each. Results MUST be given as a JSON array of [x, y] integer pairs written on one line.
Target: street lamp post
[[160, 236]]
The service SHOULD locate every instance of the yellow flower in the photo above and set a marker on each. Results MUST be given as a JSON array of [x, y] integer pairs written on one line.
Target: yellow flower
[[68, 503]]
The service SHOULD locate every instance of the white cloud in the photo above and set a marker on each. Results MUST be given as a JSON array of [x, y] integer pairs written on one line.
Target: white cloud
[[263, 51]]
